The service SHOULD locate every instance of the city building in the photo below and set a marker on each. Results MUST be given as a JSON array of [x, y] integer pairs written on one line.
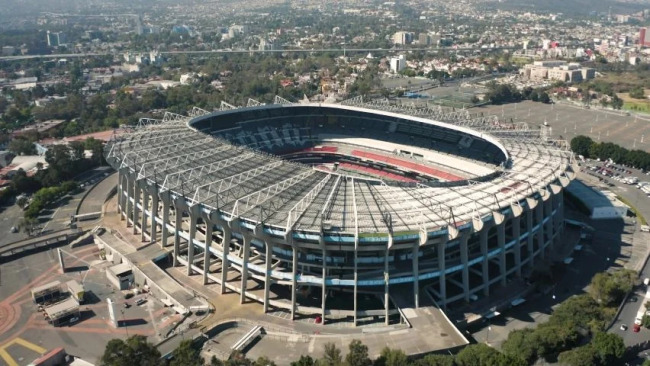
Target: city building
[[236, 29], [120, 275], [366, 220], [55, 39], [644, 37], [556, 70], [398, 63], [424, 39], [403, 38], [8, 50], [269, 44]]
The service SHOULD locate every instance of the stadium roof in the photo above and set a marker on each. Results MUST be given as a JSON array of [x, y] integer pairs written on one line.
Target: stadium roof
[[255, 187]]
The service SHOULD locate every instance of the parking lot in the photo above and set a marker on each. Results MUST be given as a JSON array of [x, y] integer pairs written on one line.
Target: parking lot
[[56, 217], [568, 121]]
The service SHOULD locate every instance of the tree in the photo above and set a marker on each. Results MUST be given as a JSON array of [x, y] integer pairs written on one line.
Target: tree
[[502, 93], [477, 355], [616, 102], [20, 146], [604, 102], [134, 351], [544, 98], [436, 360], [304, 360], [263, 361], [609, 347], [332, 355], [186, 355], [581, 356], [553, 339], [609, 288], [97, 149], [581, 310], [581, 145], [358, 354], [637, 93], [522, 343], [392, 357]]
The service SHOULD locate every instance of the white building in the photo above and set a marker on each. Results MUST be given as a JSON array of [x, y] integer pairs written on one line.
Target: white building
[[188, 78], [398, 63]]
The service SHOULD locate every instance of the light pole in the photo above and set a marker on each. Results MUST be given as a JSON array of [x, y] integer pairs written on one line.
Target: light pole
[[126, 326], [487, 338]]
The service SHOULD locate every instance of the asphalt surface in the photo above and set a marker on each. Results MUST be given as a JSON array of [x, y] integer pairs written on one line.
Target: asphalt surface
[[567, 121], [20, 320], [56, 217]]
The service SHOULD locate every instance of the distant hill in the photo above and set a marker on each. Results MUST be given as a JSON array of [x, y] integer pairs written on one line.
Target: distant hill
[[573, 7]]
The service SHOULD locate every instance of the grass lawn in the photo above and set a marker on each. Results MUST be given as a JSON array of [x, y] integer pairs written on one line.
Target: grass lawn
[[637, 105]]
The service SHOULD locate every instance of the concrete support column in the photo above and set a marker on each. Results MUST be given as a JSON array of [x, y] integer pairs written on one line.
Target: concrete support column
[[560, 209], [145, 206], [206, 253], [355, 289], [225, 261], [154, 216], [516, 232], [442, 279], [539, 215], [416, 274], [267, 274], [501, 239], [244, 268], [386, 285], [324, 287], [549, 224], [136, 200], [177, 238], [129, 195], [294, 282], [530, 238], [559, 215], [464, 258], [120, 193], [483, 239], [190, 242], [165, 219]]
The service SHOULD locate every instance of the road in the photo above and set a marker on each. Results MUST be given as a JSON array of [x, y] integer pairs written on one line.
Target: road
[[599, 255], [54, 218], [614, 244], [291, 50]]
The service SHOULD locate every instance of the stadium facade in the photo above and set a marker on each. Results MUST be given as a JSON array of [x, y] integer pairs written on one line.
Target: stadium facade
[[344, 208]]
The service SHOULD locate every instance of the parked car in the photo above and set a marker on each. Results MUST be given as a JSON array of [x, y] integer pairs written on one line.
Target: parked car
[[623, 327]]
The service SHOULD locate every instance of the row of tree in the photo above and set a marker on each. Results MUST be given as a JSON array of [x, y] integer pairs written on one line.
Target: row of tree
[[508, 93], [574, 334], [64, 163], [588, 148], [46, 196]]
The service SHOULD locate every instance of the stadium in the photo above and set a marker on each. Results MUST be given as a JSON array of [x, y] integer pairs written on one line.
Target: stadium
[[354, 209]]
